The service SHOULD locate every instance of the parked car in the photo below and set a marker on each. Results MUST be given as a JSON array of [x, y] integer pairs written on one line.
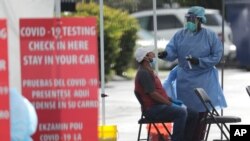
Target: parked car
[[169, 21]]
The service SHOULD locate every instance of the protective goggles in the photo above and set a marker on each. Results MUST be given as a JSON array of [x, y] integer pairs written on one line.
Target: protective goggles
[[190, 17]]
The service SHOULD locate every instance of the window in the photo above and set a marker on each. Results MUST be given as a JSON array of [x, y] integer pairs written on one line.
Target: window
[[168, 22], [144, 22], [213, 19], [163, 22]]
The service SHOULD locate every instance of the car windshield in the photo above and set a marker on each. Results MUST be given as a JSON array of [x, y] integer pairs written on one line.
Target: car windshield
[[213, 20], [143, 34], [163, 22]]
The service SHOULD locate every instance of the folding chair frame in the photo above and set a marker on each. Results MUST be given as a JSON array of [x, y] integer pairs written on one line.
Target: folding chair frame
[[248, 90], [213, 116], [143, 120]]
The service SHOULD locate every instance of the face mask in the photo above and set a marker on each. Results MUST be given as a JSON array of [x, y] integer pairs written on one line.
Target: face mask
[[191, 26], [153, 62]]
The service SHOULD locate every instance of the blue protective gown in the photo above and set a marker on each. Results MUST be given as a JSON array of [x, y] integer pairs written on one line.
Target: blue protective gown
[[169, 84], [23, 117], [206, 46]]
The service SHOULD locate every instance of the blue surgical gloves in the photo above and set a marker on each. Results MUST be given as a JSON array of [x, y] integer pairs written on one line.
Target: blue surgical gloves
[[176, 102], [162, 54]]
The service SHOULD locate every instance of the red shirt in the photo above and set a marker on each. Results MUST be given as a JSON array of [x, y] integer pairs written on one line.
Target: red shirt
[[145, 83]]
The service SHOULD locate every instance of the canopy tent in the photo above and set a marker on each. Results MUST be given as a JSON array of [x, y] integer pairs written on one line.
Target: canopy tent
[[13, 10]]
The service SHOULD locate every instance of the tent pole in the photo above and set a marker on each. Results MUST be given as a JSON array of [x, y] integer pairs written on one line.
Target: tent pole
[[155, 36], [223, 58], [57, 8], [103, 95]]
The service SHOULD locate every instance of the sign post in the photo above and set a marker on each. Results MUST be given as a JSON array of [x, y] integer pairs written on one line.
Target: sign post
[[59, 70]]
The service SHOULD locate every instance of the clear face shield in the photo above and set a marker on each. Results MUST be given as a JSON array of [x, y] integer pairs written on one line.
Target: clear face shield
[[190, 17]]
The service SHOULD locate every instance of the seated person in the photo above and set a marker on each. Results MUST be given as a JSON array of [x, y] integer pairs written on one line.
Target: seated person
[[156, 104]]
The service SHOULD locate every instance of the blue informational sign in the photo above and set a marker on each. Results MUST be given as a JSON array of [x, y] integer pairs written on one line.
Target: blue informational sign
[[238, 15]]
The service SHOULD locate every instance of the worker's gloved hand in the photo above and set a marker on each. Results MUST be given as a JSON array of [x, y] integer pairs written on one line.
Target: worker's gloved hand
[[162, 54], [175, 105], [177, 102], [193, 60]]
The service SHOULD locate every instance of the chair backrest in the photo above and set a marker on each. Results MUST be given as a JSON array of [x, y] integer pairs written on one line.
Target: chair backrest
[[248, 90], [202, 94]]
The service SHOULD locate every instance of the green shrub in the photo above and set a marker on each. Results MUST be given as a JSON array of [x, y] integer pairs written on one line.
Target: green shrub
[[119, 36]]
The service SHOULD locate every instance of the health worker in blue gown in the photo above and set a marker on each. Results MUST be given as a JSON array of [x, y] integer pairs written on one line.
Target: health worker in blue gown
[[198, 50]]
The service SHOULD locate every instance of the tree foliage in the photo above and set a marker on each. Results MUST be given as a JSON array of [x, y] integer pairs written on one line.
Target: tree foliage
[[119, 36]]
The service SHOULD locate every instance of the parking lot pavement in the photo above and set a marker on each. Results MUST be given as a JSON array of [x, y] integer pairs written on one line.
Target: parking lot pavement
[[123, 110]]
